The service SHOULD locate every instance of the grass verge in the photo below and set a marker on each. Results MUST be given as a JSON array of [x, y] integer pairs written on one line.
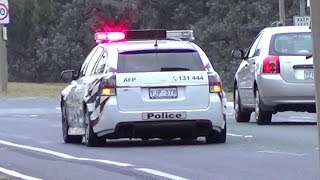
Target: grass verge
[[33, 90], [229, 97], [3, 177]]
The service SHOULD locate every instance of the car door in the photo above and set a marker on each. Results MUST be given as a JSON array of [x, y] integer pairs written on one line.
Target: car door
[[246, 74], [76, 95]]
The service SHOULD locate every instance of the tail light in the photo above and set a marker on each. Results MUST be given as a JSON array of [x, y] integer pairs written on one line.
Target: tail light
[[214, 84], [108, 86], [271, 65]]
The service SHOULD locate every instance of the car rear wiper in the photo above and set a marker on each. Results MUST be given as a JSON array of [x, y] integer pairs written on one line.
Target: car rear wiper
[[309, 56], [174, 69]]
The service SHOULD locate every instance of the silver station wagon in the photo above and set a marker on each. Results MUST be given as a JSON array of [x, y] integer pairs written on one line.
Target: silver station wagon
[[275, 75]]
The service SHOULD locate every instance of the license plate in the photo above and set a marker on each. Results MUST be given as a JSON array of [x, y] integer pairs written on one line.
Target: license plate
[[308, 74], [163, 93], [164, 115]]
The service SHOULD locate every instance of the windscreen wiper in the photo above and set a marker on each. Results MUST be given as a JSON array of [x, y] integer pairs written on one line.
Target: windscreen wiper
[[174, 69], [309, 56]]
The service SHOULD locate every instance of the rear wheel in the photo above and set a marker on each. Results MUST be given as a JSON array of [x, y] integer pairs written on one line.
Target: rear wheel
[[65, 127], [91, 138], [262, 117], [240, 115], [215, 137]]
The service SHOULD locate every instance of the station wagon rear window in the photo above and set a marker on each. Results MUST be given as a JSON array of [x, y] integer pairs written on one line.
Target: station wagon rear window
[[159, 60], [291, 44]]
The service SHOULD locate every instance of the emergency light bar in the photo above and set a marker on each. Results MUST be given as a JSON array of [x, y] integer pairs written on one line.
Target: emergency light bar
[[146, 34], [155, 34]]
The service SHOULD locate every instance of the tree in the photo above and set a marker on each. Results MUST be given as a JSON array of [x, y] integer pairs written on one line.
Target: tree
[[48, 36]]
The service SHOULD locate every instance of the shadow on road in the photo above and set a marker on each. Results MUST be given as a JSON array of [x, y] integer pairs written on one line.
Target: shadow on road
[[151, 143], [291, 123]]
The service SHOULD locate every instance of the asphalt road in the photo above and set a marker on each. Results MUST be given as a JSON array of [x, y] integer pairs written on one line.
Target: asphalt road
[[31, 147]]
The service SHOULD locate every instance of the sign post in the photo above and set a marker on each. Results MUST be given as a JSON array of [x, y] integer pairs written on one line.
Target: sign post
[[4, 19], [302, 7], [282, 12]]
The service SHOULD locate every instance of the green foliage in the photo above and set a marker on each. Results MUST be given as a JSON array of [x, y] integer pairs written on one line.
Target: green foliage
[[48, 36]]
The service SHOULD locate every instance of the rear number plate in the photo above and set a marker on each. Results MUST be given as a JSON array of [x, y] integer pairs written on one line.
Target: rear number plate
[[164, 115], [163, 93], [308, 74]]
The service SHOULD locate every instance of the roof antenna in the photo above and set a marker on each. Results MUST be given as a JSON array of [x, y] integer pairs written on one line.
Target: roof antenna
[[156, 45]]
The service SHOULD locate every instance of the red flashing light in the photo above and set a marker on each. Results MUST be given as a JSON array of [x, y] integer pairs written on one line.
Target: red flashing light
[[271, 65], [109, 36]]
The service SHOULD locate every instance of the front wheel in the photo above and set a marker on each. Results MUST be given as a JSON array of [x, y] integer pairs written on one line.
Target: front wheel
[[262, 117]]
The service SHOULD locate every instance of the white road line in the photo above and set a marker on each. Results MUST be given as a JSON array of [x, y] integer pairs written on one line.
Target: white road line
[[55, 125], [301, 117], [234, 135], [16, 174], [65, 156], [58, 108], [239, 135], [33, 115], [230, 104], [283, 153], [162, 174]]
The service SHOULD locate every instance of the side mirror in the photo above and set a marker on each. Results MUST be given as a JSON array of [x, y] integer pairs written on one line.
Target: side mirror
[[68, 75], [237, 54]]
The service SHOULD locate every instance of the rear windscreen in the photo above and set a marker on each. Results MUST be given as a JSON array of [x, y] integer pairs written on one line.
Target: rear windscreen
[[159, 60], [292, 44]]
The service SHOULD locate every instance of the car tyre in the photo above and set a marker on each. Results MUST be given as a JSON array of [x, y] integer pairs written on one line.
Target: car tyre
[[189, 138], [65, 127], [91, 138], [240, 115], [262, 117], [215, 137]]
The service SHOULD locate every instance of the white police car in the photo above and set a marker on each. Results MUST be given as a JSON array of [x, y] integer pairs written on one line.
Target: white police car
[[144, 84]]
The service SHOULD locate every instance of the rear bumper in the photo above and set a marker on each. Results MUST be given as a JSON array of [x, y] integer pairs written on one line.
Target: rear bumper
[[112, 121], [278, 95], [162, 129], [274, 91]]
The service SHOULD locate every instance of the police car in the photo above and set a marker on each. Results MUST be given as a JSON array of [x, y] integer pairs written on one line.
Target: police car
[[143, 84]]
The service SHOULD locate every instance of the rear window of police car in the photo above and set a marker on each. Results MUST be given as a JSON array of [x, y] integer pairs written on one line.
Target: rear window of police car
[[159, 60], [292, 44]]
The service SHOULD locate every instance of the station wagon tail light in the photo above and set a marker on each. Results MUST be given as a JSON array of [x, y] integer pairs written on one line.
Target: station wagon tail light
[[214, 84], [271, 65], [108, 87]]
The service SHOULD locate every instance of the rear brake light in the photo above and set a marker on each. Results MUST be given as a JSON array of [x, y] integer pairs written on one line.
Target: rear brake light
[[108, 86], [271, 65], [214, 84]]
